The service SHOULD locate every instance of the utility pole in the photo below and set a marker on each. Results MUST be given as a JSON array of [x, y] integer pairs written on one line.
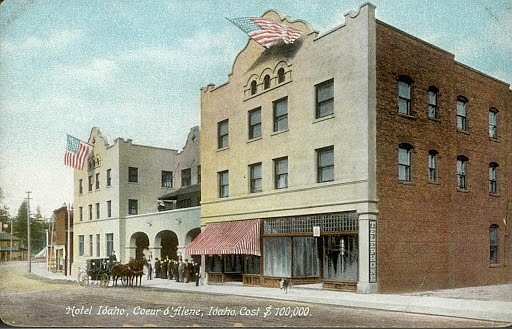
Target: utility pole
[[29, 251]]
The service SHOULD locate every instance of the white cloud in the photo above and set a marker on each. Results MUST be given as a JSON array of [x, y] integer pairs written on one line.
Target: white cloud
[[97, 70], [56, 41]]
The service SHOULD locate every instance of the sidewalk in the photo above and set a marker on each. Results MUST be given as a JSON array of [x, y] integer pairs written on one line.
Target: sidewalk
[[481, 303]]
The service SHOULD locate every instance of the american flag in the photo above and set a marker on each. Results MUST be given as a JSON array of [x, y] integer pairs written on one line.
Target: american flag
[[76, 153], [265, 31]]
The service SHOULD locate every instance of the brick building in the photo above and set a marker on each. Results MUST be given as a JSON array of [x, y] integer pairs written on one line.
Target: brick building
[[363, 158]]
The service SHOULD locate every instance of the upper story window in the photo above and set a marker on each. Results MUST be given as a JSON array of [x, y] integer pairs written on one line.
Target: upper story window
[[199, 174], [405, 95], [281, 173], [81, 246], [90, 183], [186, 177], [97, 181], [432, 102], [266, 82], [255, 174], [223, 134], [81, 213], [325, 164], [254, 87], [109, 208], [281, 114], [494, 236], [462, 113], [462, 172], [223, 177], [325, 98], [80, 186], [432, 166], [405, 162], [133, 207], [280, 75], [493, 177], [97, 210], [90, 212], [133, 175], [109, 177], [493, 123], [166, 178], [255, 123]]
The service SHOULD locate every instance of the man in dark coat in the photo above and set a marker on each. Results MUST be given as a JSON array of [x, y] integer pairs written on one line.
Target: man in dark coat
[[157, 268]]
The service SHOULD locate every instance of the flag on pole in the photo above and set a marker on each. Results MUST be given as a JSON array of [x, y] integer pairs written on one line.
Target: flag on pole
[[76, 153], [265, 31]]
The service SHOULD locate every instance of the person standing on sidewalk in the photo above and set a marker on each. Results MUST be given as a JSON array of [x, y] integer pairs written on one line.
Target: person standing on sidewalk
[[150, 270]]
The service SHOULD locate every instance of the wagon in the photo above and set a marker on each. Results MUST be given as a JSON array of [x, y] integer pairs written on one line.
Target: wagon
[[98, 270]]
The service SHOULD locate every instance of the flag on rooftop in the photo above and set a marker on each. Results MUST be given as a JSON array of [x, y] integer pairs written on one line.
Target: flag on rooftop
[[265, 31], [76, 153]]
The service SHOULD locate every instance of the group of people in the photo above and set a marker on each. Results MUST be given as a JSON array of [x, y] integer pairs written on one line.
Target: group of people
[[180, 271]]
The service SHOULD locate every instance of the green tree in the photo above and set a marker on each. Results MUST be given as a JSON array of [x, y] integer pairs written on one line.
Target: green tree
[[4, 211], [37, 229]]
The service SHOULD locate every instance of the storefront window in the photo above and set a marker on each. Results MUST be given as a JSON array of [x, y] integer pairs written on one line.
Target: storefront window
[[305, 254], [277, 257], [340, 257], [252, 264], [233, 263]]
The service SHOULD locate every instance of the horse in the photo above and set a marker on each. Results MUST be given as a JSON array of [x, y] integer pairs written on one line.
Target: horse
[[119, 271], [137, 270]]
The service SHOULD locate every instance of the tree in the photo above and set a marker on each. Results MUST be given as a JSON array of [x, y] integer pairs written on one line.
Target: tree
[[4, 211], [37, 229]]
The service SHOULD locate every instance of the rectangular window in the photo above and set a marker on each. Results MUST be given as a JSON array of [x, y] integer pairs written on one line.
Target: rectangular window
[[494, 243], [432, 167], [97, 181], [404, 97], [493, 124], [493, 178], [255, 174], [325, 99], [223, 134], [81, 246], [432, 103], [198, 174], [277, 257], [281, 115], [281, 173], [404, 164], [462, 174], [133, 175], [462, 114], [80, 186], [90, 246], [97, 211], [90, 212], [255, 123], [109, 177], [109, 208], [166, 178], [223, 184], [186, 177], [81, 213], [109, 238], [90, 183], [325, 164], [97, 245], [133, 206]]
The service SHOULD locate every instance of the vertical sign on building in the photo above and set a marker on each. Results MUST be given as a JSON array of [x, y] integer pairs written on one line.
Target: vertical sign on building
[[373, 251]]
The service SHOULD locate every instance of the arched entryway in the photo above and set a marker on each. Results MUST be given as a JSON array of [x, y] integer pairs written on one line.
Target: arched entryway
[[168, 243], [140, 242], [191, 235]]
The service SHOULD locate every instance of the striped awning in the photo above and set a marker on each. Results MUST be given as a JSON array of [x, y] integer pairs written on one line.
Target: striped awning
[[237, 237]]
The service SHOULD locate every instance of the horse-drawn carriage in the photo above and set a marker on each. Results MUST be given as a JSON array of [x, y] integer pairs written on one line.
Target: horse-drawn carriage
[[103, 271]]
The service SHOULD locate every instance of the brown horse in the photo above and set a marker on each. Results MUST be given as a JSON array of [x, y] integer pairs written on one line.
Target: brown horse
[[121, 271], [137, 270]]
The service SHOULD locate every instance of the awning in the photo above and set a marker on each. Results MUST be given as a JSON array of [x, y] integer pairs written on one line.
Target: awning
[[237, 237], [181, 191]]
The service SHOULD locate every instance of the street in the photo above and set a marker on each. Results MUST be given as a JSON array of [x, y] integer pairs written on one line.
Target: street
[[28, 300]]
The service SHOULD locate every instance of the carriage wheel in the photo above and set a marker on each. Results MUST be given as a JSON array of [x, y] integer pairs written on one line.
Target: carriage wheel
[[104, 279], [124, 280], [83, 279]]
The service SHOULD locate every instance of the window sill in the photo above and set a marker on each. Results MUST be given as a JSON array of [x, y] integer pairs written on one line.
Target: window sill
[[407, 116], [494, 265], [254, 139], [406, 182], [222, 149], [462, 190], [327, 117], [278, 132], [437, 183], [465, 132], [495, 194], [435, 120], [492, 139]]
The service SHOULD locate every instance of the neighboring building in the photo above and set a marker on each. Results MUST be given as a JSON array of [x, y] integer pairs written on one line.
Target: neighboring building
[[60, 246], [11, 247], [363, 158], [116, 201]]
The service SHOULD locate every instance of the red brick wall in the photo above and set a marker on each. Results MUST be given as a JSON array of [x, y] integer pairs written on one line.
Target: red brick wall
[[431, 236]]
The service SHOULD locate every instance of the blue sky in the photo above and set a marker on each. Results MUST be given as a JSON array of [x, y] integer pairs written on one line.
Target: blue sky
[[135, 68]]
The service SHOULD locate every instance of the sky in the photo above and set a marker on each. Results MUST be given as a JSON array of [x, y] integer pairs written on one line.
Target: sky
[[134, 69]]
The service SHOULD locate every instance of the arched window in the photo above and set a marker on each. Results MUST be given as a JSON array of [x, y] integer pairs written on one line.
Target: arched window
[[432, 102], [494, 236], [432, 165], [493, 177], [405, 95], [405, 162], [266, 82], [280, 75], [462, 172], [253, 87]]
